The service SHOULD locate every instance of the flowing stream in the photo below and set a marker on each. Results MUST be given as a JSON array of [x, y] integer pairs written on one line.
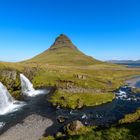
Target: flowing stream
[[36, 103]]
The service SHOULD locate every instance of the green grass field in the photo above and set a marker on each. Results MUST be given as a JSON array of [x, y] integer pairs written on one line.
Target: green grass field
[[93, 79]]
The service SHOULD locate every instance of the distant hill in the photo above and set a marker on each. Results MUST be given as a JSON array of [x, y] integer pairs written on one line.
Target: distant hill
[[63, 52], [123, 61]]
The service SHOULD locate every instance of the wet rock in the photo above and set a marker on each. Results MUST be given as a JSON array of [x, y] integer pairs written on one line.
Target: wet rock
[[74, 126], [61, 119]]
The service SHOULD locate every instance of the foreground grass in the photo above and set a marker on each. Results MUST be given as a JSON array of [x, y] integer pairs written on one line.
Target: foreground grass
[[123, 132], [78, 100], [126, 130]]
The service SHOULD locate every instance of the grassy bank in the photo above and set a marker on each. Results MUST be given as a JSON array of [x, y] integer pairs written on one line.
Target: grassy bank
[[128, 128], [78, 100], [127, 132], [124, 132], [130, 118]]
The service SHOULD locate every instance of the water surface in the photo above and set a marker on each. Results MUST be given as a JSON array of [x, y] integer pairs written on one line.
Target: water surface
[[103, 115]]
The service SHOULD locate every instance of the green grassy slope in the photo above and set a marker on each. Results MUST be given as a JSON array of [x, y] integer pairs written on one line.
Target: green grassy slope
[[63, 52], [64, 56]]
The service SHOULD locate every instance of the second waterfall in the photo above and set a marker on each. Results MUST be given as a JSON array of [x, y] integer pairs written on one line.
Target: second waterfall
[[27, 87]]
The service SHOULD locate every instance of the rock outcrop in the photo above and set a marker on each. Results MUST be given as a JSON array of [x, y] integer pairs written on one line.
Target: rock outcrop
[[73, 126], [62, 41], [10, 78]]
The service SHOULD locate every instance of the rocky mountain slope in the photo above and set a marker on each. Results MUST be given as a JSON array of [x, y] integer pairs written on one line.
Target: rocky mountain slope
[[63, 52]]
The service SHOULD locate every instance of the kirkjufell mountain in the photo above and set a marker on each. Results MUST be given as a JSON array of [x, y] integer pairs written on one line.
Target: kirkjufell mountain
[[63, 52]]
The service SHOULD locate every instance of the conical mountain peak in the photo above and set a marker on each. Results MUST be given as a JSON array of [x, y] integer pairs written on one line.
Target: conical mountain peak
[[64, 52], [62, 41]]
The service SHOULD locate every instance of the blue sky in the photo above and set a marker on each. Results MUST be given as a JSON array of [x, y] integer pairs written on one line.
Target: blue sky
[[104, 29]]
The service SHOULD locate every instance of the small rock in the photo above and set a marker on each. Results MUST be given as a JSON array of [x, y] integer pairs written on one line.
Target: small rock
[[74, 126], [61, 119], [59, 134]]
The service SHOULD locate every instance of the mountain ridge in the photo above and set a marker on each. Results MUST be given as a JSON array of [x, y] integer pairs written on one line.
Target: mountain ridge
[[63, 52], [62, 41]]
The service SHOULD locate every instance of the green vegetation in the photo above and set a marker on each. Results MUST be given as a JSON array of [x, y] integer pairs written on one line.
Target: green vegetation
[[100, 76], [81, 131], [88, 83], [78, 100], [63, 52], [129, 118], [122, 132], [128, 128], [57, 57], [48, 138], [69, 80]]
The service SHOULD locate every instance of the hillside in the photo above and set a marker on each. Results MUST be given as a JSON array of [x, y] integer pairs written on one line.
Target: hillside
[[63, 52]]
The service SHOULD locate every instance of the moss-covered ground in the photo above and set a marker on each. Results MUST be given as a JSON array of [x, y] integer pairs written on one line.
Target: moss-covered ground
[[91, 85]]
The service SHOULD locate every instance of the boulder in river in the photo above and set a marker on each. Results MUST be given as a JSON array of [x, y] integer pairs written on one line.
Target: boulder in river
[[61, 119], [74, 126]]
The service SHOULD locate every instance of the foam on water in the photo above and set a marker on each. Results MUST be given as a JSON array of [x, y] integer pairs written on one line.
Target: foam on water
[[27, 87], [126, 95], [84, 116], [2, 124], [7, 102]]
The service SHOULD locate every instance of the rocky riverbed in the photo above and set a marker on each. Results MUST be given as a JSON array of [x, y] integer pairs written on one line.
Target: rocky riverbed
[[32, 128]]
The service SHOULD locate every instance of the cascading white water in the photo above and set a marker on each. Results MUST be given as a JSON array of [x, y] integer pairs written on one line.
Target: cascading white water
[[27, 87], [7, 102]]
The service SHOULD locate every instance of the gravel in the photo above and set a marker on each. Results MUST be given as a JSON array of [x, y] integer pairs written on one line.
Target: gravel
[[32, 128]]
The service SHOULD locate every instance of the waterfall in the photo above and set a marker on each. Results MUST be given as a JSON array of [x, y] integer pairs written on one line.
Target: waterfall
[[27, 87], [7, 102]]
